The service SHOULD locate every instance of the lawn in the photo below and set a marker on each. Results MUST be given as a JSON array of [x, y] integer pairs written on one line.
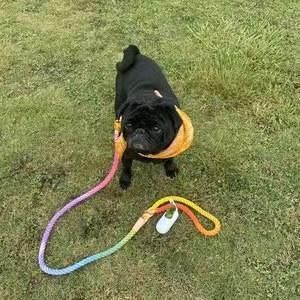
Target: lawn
[[235, 65]]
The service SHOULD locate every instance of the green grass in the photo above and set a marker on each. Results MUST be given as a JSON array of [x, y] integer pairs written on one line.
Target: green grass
[[236, 67]]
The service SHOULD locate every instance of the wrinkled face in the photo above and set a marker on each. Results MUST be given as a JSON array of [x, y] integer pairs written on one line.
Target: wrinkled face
[[150, 130]]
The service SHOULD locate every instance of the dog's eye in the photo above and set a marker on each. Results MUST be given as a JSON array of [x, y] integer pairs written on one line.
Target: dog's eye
[[156, 129], [128, 125]]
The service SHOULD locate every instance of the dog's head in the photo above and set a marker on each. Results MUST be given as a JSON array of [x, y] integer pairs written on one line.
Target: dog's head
[[149, 123]]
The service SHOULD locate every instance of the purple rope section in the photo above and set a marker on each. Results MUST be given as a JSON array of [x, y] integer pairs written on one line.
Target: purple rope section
[[73, 203]]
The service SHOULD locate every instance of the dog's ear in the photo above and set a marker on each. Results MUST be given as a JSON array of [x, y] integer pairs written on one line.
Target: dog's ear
[[168, 108], [176, 120], [165, 101], [168, 104], [121, 109], [128, 105]]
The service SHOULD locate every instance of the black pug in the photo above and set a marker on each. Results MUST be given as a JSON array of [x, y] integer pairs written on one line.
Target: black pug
[[146, 103]]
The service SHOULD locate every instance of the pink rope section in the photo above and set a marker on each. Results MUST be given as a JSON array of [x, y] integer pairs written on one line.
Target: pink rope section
[[73, 203]]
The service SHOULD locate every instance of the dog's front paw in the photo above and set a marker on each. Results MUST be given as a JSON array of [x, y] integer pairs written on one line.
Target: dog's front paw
[[172, 173], [171, 168], [125, 181]]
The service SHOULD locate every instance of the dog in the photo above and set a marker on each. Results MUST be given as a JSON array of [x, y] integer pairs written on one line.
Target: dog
[[146, 104]]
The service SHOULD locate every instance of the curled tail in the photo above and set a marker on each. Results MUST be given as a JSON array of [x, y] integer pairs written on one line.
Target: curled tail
[[128, 59]]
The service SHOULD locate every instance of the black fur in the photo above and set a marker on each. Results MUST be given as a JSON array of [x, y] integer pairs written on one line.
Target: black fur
[[149, 122]]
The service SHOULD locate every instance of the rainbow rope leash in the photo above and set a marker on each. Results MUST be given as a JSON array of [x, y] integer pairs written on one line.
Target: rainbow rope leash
[[159, 206]]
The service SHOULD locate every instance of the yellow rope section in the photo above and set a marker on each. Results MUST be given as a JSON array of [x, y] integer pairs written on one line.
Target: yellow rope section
[[201, 211]]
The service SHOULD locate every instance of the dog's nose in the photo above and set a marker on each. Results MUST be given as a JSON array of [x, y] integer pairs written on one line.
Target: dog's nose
[[140, 131]]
